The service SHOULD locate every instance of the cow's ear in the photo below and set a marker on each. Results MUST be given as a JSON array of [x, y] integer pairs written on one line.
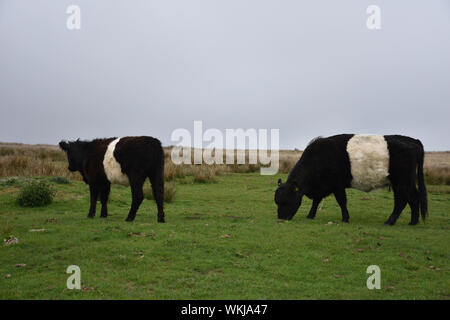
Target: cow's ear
[[63, 145], [279, 182]]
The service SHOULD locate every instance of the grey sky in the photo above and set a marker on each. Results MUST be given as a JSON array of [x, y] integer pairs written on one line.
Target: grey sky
[[308, 68]]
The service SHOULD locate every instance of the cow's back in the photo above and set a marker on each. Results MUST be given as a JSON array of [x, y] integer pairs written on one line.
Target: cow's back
[[140, 155], [405, 154]]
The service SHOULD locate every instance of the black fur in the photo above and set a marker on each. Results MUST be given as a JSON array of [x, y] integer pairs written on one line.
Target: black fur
[[324, 169], [405, 167], [139, 158]]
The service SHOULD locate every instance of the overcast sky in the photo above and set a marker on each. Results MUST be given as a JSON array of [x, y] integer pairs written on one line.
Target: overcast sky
[[308, 68]]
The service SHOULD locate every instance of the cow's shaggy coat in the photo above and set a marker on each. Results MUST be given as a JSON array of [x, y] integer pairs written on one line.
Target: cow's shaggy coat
[[127, 161], [364, 162]]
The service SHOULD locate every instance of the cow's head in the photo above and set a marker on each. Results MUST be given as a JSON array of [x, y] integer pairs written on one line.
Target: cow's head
[[76, 153], [288, 199]]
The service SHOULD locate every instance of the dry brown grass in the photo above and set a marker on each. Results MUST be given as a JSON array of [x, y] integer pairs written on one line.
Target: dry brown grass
[[35, 160], [438, 189], [173, 171], [204, 174], [5, 228], [437, 168], [169, 192], [47, 160]]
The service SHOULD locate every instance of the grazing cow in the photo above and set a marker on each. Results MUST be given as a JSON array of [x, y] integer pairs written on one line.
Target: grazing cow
[[126, 161], [364, 162]]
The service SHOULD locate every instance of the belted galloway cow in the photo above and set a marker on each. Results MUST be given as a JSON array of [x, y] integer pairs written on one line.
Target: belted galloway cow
[[127, 161], [364, 162]]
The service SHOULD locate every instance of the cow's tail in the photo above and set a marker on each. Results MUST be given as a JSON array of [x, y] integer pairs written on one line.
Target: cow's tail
[[421, 182]]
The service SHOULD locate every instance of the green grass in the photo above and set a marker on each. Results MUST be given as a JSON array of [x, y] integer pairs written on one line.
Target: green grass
[[222, 241]]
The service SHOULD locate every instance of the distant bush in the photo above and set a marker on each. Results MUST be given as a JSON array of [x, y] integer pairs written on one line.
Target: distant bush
[[59, 180], [10, 182], [439, 189], [173, 171], [16, 165], [35, 194], [437, 175], [286, 165], [52, 155], [204, 174], [244, 168], [34, 161], [6, 151], [169, 193]]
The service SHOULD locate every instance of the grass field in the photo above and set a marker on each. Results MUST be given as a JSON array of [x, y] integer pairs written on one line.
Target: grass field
[[222, 241]]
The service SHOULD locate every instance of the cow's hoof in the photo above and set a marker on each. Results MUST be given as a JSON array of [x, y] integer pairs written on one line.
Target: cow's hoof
[[388, 223], [310, 217], [104, 216], [90, 216], [413, 223], [161, 220], [346, 221], [129, 219]]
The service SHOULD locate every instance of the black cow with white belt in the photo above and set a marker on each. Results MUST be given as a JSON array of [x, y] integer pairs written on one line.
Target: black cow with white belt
[[127, 161], [364, 162]]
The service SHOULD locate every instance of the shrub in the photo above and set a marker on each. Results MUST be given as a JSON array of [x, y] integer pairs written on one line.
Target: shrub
[[35, 194]]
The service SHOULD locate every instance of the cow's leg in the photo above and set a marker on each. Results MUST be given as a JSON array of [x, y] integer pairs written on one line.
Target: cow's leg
[[137, 195], [312, 212], [341, 199], [157, 181], [413, 201], [104, 194], [94, 196], [400, 201]]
